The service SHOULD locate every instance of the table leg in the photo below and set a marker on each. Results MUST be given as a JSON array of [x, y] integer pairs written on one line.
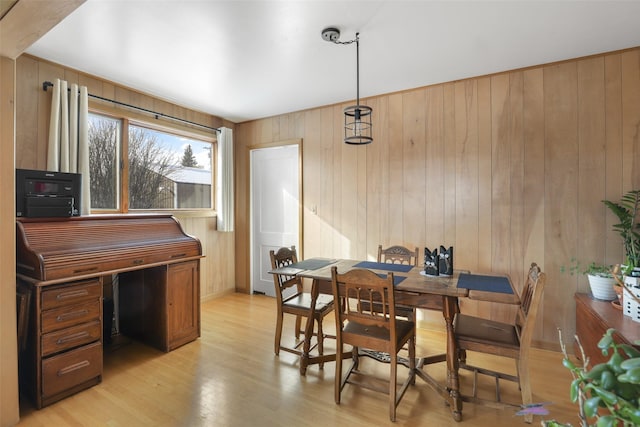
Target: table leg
[[453, 382]]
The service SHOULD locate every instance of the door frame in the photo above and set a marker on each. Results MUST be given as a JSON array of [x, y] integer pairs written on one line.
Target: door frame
[[300, 250]]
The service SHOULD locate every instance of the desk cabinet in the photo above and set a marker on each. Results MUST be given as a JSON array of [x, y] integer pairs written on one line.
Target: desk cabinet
[[593, 318], [183, 302], [62, 264], [64, 354], [161, 305]]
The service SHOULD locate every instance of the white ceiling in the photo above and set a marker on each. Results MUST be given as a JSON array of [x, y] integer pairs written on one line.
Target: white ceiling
[[243, 60]]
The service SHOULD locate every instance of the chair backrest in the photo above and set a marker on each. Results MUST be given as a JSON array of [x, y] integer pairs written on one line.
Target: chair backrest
[[529, 304], [398, 255], [357, 290], [283, 258]]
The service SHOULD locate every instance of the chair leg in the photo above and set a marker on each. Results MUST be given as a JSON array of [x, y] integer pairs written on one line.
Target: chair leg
[[525, 385], [298, 324], [320, 338], [338, 374], [278, 337], [412, 360], [393, 389], [355, 356]]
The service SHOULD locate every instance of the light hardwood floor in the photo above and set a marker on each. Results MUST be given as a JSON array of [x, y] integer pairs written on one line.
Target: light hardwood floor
[[230, 377]]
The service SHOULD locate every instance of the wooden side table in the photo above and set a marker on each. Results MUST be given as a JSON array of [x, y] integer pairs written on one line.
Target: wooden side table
[[593, 318]]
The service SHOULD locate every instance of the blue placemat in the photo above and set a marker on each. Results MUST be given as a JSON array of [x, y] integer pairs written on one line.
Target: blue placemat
[[311, 263], [404, 268], [479, 282]]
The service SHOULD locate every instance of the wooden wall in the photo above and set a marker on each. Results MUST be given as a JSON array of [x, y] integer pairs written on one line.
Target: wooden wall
[[33, 109], [508, 169], [9, 414]]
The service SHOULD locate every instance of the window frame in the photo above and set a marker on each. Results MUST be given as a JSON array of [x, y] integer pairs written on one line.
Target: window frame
[[127, 119]]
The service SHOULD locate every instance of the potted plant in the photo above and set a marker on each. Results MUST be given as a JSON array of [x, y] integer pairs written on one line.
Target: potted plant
[[601, 279], [628, 212], [608, 393]]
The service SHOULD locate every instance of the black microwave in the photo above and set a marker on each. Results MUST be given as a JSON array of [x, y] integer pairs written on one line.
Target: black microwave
[[41, 194]]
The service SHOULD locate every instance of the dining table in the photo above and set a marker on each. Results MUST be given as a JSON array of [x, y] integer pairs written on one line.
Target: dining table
[[413, 288]]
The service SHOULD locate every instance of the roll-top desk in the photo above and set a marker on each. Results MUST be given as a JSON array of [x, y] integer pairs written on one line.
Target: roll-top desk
[[62, 265]]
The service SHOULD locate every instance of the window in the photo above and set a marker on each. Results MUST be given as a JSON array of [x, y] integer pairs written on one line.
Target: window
[[160, 170]]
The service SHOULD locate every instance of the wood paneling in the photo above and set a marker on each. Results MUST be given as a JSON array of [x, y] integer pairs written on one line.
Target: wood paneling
[[508, 168], [8, 350], [33, 109]]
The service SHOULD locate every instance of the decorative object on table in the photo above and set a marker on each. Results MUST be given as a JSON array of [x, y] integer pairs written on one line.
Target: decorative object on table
[[431, 262], [628, 212], [357, 118], [609, 392], [445, 262]]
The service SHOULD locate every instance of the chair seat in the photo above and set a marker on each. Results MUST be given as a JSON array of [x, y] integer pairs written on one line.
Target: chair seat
[[303, 301], [476, 329], [404, 328]]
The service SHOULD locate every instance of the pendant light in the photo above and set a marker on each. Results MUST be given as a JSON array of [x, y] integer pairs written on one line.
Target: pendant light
[[357, 118]]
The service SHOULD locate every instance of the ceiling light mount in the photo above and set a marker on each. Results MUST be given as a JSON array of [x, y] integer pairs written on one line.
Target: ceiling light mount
[[331, 34], [357, 118]]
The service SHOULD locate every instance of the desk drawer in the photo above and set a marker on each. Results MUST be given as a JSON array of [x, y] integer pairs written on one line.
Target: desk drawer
[[62, 372], [67, 338], [53, 320], [71, 294]]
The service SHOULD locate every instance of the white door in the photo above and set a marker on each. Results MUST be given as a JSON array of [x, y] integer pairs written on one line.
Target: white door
[[275, 209]]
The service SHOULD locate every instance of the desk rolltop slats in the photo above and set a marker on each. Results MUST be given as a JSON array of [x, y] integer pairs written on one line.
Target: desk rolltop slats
[[50, 250]]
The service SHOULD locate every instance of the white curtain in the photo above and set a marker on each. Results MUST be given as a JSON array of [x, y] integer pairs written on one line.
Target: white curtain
[[69, 135], [224, 190]]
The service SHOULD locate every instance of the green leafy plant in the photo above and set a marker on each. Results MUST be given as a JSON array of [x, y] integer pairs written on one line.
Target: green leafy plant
[[592, 268], [628, 212], [609, 393]]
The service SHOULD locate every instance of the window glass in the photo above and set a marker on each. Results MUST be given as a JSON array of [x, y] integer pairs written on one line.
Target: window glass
[[104, 160], [165, 170], [168, 171]]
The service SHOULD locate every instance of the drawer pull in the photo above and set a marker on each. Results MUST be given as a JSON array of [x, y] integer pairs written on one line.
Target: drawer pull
[[71, 368], [138, 261], [72, 337], [85, 270], [72, 315], [178, 255], [72, 294]]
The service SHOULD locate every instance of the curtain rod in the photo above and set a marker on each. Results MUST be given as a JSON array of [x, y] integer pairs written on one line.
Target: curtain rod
[[47, 84]]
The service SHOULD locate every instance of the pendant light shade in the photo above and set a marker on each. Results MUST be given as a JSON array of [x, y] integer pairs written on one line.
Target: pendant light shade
[[357, 124], [357, 118]]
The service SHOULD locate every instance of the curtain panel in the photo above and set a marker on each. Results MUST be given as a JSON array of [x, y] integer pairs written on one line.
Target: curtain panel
[[68, 149], [224, 190]]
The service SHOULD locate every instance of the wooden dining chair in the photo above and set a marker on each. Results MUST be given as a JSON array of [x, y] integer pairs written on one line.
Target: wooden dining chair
[[292, 299], [503, 339], [358, 325], [400, 255]]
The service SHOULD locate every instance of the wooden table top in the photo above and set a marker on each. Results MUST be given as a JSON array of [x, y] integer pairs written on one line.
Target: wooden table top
[[415, 281]]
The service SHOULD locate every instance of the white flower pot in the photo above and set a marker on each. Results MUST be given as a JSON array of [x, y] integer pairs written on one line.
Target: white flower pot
[[602, 287], [630, 306]]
